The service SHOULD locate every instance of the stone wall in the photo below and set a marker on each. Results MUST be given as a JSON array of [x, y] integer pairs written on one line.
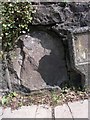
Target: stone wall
[[71, 22], [55, 52]]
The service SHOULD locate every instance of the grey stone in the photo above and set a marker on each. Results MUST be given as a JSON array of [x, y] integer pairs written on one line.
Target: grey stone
[[16, 59], [62, 112], [68, 14], [48, 14], [37, 62], [33, 111], [79, 109], [87, 18], [23, 112], [81, 48], [43, 61], [81, 54], [48, 58], [78, 40], [3, 82], [57, 13], [15, 65], [43, 111]]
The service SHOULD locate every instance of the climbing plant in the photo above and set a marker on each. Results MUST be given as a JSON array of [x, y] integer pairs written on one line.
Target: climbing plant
[[16, 18]]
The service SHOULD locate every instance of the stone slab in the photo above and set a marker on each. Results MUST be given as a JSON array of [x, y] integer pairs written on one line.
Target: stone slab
[[72, 110], [34, 111], [43, 111], [62, 112], [79, 109], [41, 62], [82, 53], [23, 112], [81, 47], [88, 108]]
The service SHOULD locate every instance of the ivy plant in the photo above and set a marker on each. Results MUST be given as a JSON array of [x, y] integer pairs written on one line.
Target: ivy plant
[[16, 18]]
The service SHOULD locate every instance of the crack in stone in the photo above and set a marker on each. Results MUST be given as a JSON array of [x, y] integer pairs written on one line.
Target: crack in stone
[[36, 111], [53, 113], [70, 111]]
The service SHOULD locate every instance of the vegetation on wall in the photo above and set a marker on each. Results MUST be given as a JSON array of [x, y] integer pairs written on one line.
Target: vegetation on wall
[[16, 18]]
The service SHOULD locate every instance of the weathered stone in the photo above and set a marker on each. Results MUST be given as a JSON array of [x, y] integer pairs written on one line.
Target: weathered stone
[[87, 18], [33, 111], [68, 14], [79, 109], [43, 111], [46, 14], [3, 81], [57, 13], [78, 40], [80, 58], [43, 63], [16, 62], [23, 112], [81, 53], [81, 48], [77, 7], [43, 57], [62, 112]]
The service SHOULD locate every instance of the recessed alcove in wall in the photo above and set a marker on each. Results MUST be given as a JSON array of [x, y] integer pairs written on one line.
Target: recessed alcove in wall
[[43, 60], [46, 55]]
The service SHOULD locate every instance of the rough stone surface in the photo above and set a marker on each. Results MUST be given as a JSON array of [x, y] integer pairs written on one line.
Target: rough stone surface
[[3, 82], [48, 15], [42, 61], [81, 54], [78, 45], [75, 13], [81, 48]]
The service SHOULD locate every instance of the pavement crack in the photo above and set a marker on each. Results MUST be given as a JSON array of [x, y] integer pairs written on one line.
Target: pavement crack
[[53, 114], [70, 111], [36, 111]]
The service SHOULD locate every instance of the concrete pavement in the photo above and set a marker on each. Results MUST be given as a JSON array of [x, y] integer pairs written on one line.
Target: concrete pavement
[[73, 110]]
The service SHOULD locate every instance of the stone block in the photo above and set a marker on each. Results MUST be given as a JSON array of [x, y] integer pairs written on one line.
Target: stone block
[[81, 54], [62, 112], [79, 109], [42, 61], [43, 111], [23, 112]]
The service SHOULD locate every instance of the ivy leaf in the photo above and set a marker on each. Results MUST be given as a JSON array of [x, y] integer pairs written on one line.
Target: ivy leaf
[[14, 94], [4, 100]]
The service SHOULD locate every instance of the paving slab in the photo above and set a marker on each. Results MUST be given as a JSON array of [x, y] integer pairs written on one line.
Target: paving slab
[[34, 111], [88, 108], [43, 111], [62, 112], [79, 109], [71, 110], [23, 112]]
